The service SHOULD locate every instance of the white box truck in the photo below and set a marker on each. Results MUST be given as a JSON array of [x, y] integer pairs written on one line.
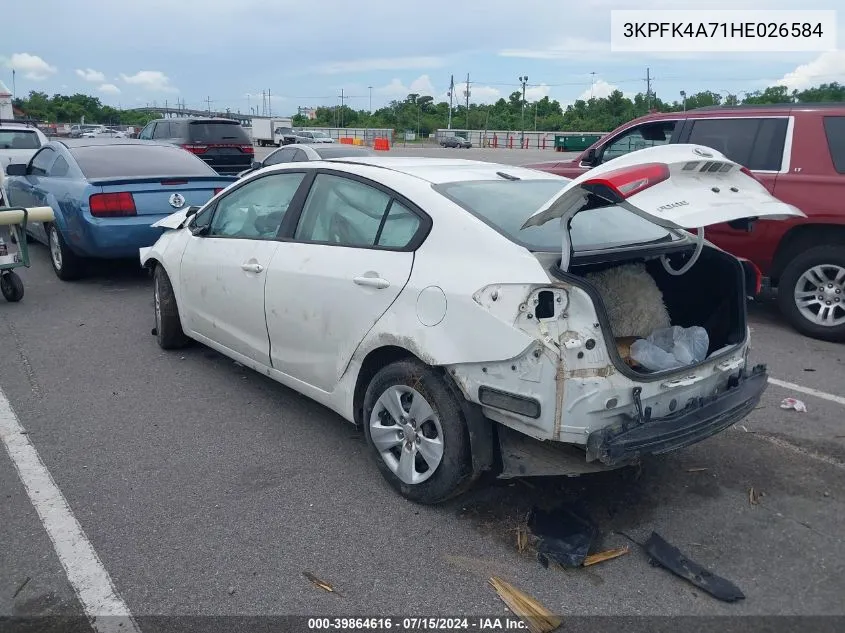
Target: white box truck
[[263, 130]]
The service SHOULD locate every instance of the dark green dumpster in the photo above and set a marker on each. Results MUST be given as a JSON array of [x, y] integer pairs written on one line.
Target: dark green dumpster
[[575, 142]]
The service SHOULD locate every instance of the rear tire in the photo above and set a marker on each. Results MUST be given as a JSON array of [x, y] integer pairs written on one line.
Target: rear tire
[[811, 292], [67, 265], [169, 334], [437, 440]]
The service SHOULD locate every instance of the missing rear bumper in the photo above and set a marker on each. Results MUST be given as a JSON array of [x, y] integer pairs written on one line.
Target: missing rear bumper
[[698, 421]]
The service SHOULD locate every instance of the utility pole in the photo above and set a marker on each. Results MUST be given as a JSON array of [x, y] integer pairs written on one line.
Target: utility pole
[[451, 96], [371, 99], [341, 107], [466, 94], [648, 88], [208, 100], [269, 102], [523, 81], [14, 87], [592, 84]]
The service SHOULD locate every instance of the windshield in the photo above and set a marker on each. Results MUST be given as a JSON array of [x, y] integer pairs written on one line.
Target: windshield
[[506, 204], [319, 135], [19, 139], [217, 132]]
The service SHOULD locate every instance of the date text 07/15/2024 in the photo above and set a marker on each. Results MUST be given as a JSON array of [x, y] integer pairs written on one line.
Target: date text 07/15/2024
[[408, 624]]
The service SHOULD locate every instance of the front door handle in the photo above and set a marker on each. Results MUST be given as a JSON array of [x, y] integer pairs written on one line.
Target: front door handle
[[252, 268], [372, 282]]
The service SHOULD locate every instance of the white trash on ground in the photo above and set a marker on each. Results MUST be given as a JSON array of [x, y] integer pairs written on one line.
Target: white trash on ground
[[671, 348], [793, 403]]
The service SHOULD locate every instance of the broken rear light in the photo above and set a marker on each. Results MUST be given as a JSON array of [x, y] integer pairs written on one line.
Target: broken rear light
[[627, 181]]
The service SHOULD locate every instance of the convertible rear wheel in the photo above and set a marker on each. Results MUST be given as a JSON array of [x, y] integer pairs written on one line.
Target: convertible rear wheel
[[66, 264], [168, 330], [415, 426]]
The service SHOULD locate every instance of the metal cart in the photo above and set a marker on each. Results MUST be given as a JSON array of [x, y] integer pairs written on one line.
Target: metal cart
[[14, 252]]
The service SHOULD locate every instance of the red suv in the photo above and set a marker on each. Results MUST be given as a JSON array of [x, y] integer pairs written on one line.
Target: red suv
[[798, 152]]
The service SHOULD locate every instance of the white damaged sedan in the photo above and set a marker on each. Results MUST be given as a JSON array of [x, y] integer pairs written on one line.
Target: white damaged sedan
[[478, 317]]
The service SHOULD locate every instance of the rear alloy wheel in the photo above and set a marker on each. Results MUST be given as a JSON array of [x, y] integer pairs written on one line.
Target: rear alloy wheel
[[416, 429], [66, 264], [168, 330], [811, 292]]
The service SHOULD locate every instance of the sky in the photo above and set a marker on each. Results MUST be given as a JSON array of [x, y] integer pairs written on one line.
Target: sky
[[224, 53]]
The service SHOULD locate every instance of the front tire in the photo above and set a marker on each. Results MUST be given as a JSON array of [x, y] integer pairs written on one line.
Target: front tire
[[169, 334], [416, 429], [811, 292], [66, 264]]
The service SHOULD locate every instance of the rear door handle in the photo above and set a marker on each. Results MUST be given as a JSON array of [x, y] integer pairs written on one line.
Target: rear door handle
[[252, 268], [372, 282]]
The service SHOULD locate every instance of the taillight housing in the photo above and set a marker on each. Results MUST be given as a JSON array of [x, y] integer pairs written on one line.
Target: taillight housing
[[195, 149], [217, 190], [625, 182], [753, 277], [749, 173], [112, 205], [247, 149]]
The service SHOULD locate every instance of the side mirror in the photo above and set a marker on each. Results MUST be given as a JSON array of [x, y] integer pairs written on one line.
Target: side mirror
[[196, 231], [191, 211], [256, 164], [590, 158], [16, 169]]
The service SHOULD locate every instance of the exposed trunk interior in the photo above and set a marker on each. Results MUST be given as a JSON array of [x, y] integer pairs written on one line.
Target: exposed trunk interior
[[710, 295]]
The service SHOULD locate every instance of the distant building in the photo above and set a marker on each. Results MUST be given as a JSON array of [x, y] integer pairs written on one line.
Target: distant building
[[6, 109], [309, 113]]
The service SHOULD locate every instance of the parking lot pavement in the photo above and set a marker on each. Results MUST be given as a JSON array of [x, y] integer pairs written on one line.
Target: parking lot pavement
[[207, 489]]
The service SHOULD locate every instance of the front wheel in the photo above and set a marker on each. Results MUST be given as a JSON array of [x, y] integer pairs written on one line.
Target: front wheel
[[416, 429], [168, 330], [811, 292], [11, 286]]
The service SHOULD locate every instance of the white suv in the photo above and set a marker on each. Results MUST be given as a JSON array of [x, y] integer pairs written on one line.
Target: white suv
[[19, 142]]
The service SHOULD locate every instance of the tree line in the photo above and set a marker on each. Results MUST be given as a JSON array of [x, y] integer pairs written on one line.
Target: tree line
[[422, 114]]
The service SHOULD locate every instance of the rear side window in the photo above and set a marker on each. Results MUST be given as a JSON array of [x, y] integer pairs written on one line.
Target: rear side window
[[217, 132], [834, 129], [41, 161], [60, 168], [754, 143], [126, 161], [162, 130], [19, 139]]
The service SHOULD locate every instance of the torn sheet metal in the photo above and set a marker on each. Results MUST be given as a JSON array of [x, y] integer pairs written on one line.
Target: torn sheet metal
[[671, 558]]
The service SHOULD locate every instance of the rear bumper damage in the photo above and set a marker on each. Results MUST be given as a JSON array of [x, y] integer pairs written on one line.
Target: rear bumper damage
[[639, 435]]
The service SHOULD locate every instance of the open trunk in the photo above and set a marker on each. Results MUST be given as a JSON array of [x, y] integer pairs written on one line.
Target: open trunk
[[711, 295]]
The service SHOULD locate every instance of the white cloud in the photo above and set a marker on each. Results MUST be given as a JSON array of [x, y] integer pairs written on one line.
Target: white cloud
[[599, 90], [152, 80], [535, 93], [422, 86], [381, 63], [89, 74], [109, 89], [825, 68], [32, 66]]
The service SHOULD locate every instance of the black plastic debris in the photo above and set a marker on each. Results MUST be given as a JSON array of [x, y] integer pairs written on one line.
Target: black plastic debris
[[671, 558], [565, 536]]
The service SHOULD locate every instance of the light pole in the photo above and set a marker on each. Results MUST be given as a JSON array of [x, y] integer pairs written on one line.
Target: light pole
[[523, 81], [684, 97], [371, 99]]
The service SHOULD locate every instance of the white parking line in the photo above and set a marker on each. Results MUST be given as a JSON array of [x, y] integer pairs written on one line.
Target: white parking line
[[104, 608], [809, 391]]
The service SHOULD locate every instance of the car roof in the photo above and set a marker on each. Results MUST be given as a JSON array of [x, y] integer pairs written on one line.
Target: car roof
[[200, 119], [17, 127], [781, 109], [96, 142], [443, 170]]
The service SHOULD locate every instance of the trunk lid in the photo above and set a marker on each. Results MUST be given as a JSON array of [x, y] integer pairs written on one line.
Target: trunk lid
[[162, 196], [674, 186]]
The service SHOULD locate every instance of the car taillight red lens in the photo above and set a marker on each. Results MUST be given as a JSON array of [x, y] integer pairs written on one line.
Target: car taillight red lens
[[196, 149], [627, 181], [217, 190], [753, 276], [174, 182], [247, 149], [112, 205]]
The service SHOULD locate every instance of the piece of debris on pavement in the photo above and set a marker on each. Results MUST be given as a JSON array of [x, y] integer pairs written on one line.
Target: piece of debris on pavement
[[669, 557], [754, 496], [21, 586], [231, 591], [320, 584], [564, 536], [600, 557], [793, 403], [537, 618], [696, 470], [521, 538]]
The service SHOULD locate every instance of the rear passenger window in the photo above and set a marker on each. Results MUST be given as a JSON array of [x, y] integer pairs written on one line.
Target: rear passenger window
[[399, 227], [59, 168], [754, 143], [162, 130], [834, 129]]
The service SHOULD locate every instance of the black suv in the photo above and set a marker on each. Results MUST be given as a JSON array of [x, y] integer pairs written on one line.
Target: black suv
[[222, 143]]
